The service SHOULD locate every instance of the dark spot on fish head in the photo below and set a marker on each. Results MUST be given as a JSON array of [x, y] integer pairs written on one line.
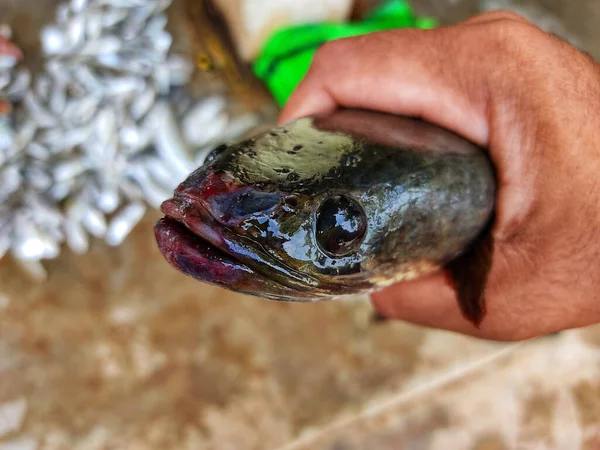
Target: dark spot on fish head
[[215, 153], [340, 226], [233, 207], [350, 159], [334, 172], [298, 148]]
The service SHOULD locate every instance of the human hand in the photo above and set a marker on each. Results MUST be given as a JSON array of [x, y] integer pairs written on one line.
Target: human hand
[[534, 102]]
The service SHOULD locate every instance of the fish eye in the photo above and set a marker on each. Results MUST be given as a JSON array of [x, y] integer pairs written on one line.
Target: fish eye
[[340, 226]]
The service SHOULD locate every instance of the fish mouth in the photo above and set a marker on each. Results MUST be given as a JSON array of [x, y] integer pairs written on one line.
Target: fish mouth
[[193, 243]]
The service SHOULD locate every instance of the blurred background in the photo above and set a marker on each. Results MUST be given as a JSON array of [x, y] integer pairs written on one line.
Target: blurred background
[[104, 346]]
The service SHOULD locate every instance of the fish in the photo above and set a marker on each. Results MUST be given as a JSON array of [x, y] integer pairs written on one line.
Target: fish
[[337, 204]]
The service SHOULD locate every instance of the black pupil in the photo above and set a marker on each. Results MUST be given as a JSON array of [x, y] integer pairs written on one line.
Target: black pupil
[[341, 224]]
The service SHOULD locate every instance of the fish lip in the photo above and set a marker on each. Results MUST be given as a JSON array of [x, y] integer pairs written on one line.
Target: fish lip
[[172, 236], [190, 213], [196, 257]]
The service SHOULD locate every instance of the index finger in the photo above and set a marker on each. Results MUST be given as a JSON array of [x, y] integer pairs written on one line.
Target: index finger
[[437, 75], [406, 72]]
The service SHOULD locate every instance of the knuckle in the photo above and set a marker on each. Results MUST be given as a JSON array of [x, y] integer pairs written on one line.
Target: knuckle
[[499, 14], [505, 14], [514, 51], [502, 47], [513, 38]]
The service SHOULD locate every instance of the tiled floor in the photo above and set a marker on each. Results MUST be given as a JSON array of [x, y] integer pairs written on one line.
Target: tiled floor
[[117, 351], [538, 395]]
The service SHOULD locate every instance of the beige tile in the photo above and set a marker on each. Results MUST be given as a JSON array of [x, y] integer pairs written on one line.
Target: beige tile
[[542, 395]]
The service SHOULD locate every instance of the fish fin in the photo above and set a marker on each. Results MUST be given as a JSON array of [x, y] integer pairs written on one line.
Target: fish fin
[[469, 274]]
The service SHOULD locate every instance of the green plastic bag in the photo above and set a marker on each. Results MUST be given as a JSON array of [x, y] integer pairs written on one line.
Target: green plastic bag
[[287, 54]]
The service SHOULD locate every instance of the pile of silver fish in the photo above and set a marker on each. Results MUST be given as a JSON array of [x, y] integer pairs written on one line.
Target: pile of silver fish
[[94, 139]]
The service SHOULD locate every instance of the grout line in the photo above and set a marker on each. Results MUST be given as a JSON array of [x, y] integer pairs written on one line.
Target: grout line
[[405, 397]]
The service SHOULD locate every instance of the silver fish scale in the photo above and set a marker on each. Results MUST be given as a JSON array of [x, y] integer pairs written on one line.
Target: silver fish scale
[[95, 139]]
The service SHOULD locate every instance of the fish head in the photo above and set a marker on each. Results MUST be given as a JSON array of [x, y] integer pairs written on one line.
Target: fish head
[[325, 206]]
